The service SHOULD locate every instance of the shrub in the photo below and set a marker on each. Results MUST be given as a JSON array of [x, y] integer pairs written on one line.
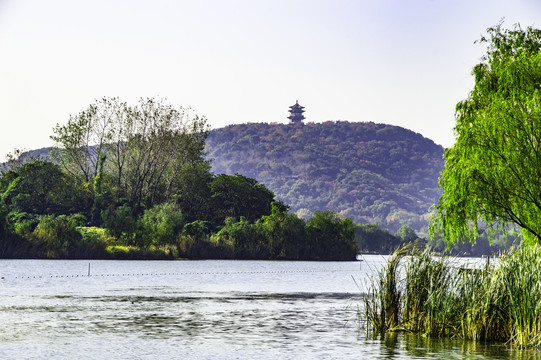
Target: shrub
[[58, 235], [120, 223], [162, 225]]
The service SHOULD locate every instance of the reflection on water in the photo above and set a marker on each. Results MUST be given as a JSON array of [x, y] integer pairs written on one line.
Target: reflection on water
[[414, 346], [214, 310]]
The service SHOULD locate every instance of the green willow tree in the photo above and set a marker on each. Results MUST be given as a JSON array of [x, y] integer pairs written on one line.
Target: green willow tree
[[492, 175]]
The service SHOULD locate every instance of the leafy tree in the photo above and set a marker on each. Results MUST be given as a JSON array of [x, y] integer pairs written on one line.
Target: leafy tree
[[146, 147], [198, 229], [83, 140], [285, 233], [330, 237], [162, 224], [195, 242], [41, 187], [406, 233], [248, 242], [372, 238], [120, 223], [6, 179], [99, 194], [4, 232], [237, 195], [193, 194], [58, 235], [492, 174], [162, 141]]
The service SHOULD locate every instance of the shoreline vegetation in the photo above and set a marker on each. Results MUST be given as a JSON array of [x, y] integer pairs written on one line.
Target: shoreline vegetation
[[165, 231], [490, 185], [132, 182], [46, 213], [432, 295]]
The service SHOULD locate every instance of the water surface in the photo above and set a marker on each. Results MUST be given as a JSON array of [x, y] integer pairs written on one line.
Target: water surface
[[201, 310]]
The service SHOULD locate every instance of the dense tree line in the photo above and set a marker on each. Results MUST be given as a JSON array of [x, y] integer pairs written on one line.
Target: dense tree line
[[372, 239], [133, 182]]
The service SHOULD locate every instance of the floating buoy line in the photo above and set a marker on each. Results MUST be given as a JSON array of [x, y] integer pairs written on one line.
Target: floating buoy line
[[89, 275]]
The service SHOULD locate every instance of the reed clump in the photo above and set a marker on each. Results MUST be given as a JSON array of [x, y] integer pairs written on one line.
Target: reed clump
[[420, 292]]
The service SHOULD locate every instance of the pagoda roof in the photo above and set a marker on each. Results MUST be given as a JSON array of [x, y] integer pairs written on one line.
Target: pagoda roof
[[297, 107]]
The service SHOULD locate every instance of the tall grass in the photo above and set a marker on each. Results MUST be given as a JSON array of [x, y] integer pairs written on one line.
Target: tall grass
[[432, 295], [383, 304]]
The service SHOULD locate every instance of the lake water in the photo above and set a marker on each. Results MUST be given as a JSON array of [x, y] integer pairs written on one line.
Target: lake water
[[202, 310]]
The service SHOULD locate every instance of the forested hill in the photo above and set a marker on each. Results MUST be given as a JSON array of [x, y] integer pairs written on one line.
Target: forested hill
[[373, 173]]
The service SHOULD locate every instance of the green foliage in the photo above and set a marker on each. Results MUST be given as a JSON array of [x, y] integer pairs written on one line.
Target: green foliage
[[368, 172], [285, 233], [99, 202], [262, 229], [11, 244], [285, 236], [21, 223], [198, 228], [246, 238], [330, 237], [370, 238], [120, 223], [406, 234], [95, 234], [237, 195], [3, 223], [382, 304], [492, 173], [197, 242], [6, 181], [58, 235], [121, 252], [79, 134], [42, 188], [162, 224], [146, 147], [194, 194], [427, 296], [480, 247]]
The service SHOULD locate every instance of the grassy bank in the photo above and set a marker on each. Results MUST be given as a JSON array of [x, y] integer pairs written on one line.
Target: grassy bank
[[421, 293]]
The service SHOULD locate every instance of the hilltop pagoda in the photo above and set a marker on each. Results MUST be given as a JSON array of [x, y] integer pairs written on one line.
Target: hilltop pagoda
[[296, 115]]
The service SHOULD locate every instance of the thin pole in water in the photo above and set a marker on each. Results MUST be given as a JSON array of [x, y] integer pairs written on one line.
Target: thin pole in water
[[88, 269]]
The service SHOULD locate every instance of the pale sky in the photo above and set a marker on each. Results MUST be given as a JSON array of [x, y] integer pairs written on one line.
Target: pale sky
[[397, 62]]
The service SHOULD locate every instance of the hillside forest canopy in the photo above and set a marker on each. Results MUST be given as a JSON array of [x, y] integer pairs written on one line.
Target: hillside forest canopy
[[371, 173]]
